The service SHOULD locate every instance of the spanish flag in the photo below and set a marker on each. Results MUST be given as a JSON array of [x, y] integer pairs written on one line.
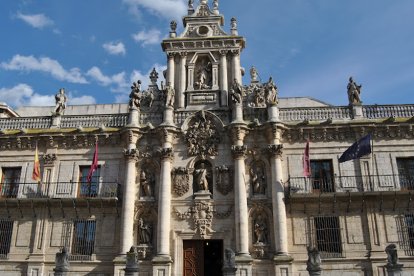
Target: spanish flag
[[36, 167]]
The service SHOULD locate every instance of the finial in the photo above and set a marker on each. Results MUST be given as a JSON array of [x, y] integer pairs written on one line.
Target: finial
[[173, 26], [203, 2], [215, 7], [233, 24], [190, 7]]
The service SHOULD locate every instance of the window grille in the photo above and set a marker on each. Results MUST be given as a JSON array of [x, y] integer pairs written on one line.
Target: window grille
[[6, 231], [324, 234], [405, 226], [83, 241]]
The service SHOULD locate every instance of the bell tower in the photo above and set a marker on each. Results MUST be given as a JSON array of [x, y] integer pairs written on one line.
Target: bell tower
[[203, 60]]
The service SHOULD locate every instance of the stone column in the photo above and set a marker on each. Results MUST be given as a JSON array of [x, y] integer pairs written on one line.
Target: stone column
[[128, 199], [162, 261], [171, 69], [224, 87], [240, 195], [278, 194], [181, 84], [236, 66]]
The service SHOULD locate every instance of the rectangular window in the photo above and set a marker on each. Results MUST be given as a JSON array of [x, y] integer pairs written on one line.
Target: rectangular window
[[86, 188], [322, 176], [10, 180], [6, 231], [325, 236], [406, 173], [83, 240], [405, 225]]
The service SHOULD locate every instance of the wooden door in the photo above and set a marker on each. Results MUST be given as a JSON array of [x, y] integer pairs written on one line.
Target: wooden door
[[193, 258]]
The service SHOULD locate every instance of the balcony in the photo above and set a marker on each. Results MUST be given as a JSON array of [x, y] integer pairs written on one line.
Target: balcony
[[59, 190], [344, 184]]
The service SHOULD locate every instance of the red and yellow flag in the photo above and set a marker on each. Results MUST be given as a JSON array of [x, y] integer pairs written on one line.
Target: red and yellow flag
[[36, 167]]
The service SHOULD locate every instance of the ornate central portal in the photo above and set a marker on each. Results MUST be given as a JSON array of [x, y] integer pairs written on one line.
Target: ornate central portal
[[202, 257]]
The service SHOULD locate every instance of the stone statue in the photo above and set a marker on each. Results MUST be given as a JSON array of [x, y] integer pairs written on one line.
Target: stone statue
[[236, 92], [131, 261], [60, 99], [170, 95], [145, 232], [62, 261], [354, 92], [314, 260], [233, 23], [146, 181], [202, 178], [229, 258], [258, 180], [392, 256], [135, 95], [253, 74], [203, 74], [173, 26], [260, 230], [190, 4], [271, 92]]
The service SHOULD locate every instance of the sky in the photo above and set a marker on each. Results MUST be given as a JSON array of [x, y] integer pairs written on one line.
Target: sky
[[95, 49]]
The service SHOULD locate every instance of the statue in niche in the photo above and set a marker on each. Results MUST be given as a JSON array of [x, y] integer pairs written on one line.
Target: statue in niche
[[203, 74], [260, 230], [258, 178], [169, 95], [60, 99], [236, 92], [145, 232], [135, 95], [271, 92], [354, 92], [202, 176], [147, 182]]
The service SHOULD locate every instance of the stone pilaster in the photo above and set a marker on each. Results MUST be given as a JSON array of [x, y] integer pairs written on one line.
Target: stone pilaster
[[236, 66], [224, 87], [181, 84]]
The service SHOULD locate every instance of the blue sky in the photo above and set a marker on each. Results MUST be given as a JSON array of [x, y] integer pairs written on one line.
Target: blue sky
[[95, 49]]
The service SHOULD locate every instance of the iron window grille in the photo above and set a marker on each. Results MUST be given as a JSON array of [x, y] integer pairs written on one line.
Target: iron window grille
[[79, 236], [405, 228], [324, 234], [6, 231]]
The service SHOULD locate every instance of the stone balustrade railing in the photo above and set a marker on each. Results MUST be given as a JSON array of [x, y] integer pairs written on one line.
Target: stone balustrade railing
[[250, 114], [25, 122], [315, 113], [386, 111]]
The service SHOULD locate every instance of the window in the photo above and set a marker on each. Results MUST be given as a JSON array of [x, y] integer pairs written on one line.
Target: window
[[322, 176], [10, 182], [6, 231], [325, 236], [83, 241], [88, 189], [406, 233], [406, 173]]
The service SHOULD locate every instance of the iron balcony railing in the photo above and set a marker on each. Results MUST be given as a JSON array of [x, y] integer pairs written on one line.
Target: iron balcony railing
[[357, 183], [60, 190]]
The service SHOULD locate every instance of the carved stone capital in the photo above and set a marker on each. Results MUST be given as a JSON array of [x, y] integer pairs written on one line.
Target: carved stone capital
[[171, 55], [131, 154], [235, 52], [239, 151], [167, 135], [275, 150], [167, 153], [223, 52], [183, 54], [238, 133]]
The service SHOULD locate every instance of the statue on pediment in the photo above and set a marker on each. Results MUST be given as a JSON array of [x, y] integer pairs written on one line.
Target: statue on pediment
[[354, 92], [60, 99], [271, 92], [135, 95]]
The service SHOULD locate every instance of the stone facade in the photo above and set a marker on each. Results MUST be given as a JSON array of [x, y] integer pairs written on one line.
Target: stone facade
[[203, 161]]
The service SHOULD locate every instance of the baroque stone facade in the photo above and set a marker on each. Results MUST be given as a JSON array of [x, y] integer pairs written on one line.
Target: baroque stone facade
[[206, 175]]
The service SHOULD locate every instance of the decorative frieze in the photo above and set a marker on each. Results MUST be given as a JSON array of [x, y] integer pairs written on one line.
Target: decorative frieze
[[181, 184]]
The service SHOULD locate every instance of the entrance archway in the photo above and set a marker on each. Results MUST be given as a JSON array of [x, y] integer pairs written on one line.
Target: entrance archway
[[202, 257]]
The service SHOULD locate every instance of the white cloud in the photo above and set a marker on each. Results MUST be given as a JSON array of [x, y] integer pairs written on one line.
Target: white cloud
[[38, 21], [23, 95], [114, 48], [46, 65], [169, 9], [117, 80], [153, 36]]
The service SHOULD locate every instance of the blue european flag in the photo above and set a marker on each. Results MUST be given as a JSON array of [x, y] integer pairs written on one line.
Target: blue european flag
[[358, 149]]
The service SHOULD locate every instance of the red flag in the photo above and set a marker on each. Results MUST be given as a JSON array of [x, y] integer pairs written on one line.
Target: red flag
[[94, 165], [36, 167], [306, 161]]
